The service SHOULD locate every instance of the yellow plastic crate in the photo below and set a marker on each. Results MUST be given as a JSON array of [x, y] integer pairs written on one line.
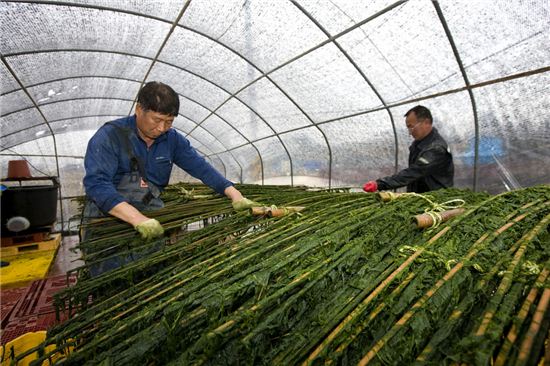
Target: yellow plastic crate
[[25, 268], [33, 247], [24, 343]]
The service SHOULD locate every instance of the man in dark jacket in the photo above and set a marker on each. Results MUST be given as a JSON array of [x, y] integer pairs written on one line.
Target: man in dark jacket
[[430, 160]]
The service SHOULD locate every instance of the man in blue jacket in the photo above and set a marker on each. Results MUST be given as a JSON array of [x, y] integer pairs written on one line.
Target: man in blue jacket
[[430, 159], [129, 160]]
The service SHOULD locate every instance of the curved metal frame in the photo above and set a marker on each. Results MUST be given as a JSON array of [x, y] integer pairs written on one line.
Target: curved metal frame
[[234, 95], [49, 127], [314, 21], [69, 78], [330, 39], [154, 60], [393, 105], [426, 97], [115, 78], [56, 121], [216, 154], [174, 24], [264, 74], [163, 62], [468, 86]]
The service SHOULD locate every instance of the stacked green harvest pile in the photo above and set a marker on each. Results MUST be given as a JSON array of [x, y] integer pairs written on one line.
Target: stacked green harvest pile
[[349, 281]]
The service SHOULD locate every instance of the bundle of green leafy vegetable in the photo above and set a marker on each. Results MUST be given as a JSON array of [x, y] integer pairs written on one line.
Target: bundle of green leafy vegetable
[[349, 280]]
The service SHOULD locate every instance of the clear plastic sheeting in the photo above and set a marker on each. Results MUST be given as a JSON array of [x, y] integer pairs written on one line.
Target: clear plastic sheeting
[[284, 91], [183, 124], [397, 69], [325, 85], [363, 148], [39, 166], [71, 183], [83, 88], [39, 67], [250, 159], [24, 138], [224, 132], [203, 149], [338, 15], [514, 144], [218, 164], [208, 139], [233, 168], [71, 140], [81, 28], [192, 110], [203, 56], [245, 120], [179, 175], [85, 107], [273, 106], [169, 9], [7, 82], [12, 123], [313, 161], [84, 125], [276, 163], [259, 30], [189, 86], [14, 101], [71, 209], [498, 38]]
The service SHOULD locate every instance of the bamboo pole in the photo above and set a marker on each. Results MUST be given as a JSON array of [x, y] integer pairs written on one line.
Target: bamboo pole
[[534, 329], [522, 315], [474, 250], [507, 279], [241, 297], [431, 219], [387, 196], [274, 211]]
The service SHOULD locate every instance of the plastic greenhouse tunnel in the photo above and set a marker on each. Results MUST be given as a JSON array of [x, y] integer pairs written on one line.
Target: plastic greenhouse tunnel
[[298, 103]]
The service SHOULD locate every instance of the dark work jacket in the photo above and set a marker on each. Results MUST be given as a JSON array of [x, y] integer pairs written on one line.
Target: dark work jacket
[[430, 167]]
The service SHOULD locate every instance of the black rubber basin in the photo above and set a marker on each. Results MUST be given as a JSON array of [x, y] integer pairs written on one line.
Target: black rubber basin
[[37, 203]]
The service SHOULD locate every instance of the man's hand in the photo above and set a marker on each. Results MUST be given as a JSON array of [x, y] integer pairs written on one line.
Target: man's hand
[[149, 229], [244, 204], [370, 186]]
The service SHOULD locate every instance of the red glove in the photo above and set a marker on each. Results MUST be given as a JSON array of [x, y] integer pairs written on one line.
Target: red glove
[[371, 186]]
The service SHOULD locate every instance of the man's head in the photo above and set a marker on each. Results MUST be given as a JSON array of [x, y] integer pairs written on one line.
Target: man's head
[[157, 106], [419, 122]]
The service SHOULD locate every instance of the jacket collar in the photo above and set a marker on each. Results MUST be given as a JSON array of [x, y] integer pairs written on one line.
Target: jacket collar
[[426, 140]]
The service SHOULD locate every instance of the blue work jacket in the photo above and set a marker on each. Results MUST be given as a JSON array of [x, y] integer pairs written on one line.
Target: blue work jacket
[[107, 160]]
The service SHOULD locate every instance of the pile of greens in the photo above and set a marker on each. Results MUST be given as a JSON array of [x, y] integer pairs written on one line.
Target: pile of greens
[[349, 280]]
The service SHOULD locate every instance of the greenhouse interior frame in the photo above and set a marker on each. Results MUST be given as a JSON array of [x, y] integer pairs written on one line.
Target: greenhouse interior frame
[[299, 108]]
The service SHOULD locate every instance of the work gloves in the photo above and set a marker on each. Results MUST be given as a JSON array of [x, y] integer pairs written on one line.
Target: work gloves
[[149, 229], [370, 186], [245, 204]]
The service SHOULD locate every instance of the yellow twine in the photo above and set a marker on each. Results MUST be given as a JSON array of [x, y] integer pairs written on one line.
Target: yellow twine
[[438, 207], [189, 195], [186, 194]]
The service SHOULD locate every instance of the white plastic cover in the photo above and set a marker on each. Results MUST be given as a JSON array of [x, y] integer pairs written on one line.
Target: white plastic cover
[[283, 92]]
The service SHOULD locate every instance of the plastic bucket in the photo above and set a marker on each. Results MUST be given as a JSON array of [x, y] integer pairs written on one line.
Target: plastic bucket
[[18, 169]]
